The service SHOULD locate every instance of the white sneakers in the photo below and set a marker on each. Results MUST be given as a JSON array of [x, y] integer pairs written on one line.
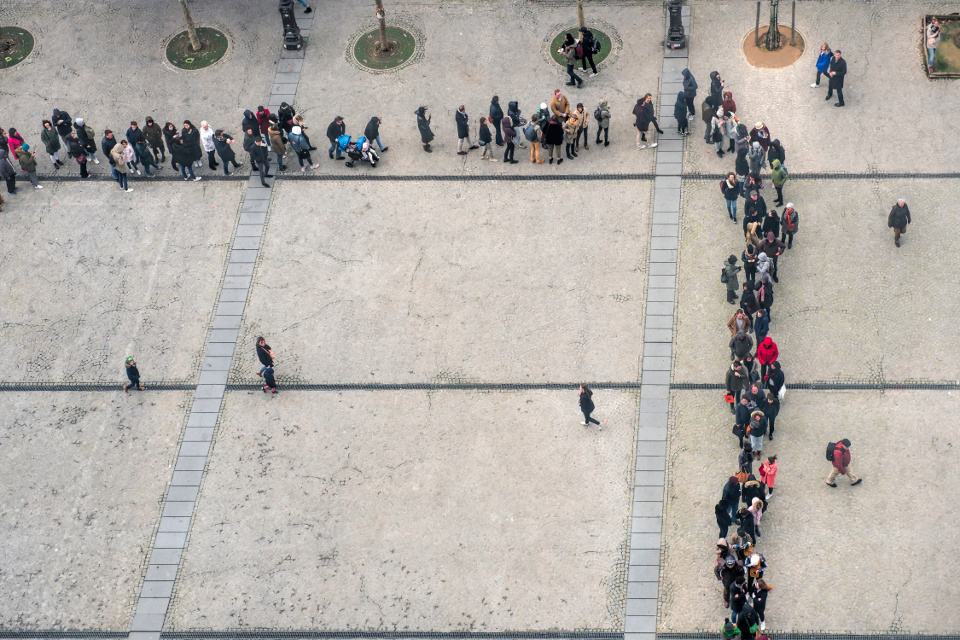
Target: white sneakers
[[763, 626], [594, 75], [654, 145], [314, 166], [96, 161], [814, 86], [128, 190], [642, 146], [197, 179], [138, 171], [38, 187]]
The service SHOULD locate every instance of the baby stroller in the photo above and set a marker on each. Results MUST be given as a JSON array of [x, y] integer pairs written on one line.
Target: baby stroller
[[358, 151]]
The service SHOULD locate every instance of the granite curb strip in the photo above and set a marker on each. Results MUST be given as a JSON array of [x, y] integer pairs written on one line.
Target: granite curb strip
[[643, 572], [192, 458]]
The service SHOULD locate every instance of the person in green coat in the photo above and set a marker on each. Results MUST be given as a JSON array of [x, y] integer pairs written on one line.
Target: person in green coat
[[28, 163], [51, 142], [733, 284], [779, 177]]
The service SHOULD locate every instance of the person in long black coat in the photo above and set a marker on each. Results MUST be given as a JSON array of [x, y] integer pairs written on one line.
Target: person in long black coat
[[169, 131], [723, 517], [181, 156], [222, 142], [191, 140], [496, 116], [423, 124], [838, 69]]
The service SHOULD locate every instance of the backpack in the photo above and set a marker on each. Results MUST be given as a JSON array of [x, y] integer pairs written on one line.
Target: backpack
[[595, 46], [596, 114], [830, 448], [578, 51], [723, 276], [530, 133]]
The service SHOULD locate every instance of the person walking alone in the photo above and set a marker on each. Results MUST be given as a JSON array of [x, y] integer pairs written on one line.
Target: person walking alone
[[423, 125], [264, 355], [463, 132], [133, 375], [838, 69], [840, 459], [587, 406], [898, 219]]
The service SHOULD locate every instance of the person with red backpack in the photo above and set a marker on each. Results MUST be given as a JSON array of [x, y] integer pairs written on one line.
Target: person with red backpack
[[572, 51], [789, 224], [839, 454]]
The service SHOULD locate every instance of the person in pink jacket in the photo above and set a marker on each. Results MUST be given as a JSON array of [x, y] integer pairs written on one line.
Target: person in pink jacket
[[768, 474], [766, 353]]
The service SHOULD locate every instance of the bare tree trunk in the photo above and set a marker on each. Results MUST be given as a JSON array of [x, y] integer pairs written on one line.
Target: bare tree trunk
[[382, 19], [580, 21], [191, 27]]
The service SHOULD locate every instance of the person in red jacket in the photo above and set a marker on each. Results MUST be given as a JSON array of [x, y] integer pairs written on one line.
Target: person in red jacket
[[841, 464], [766, 353], [263, 119]]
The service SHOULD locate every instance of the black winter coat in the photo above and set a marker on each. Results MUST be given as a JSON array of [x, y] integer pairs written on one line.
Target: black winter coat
[[179, 152], [743, 165], [224, 149], [191, 140], [372, 130], [168, 133], [485, 136], [731, 493], [133, 374], [62, 122], [553, 133], [335, 130], [496, 112], [463, 124], [840, 66]]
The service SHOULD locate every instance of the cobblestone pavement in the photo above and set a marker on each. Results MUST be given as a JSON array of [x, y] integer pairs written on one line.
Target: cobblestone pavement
[[894, 114], [847, 306], [412, 510], [80, 485], [854, 546], [96, 275], [462, 287]]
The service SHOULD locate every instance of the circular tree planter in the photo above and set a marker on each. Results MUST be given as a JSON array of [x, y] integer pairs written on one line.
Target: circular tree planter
[[15, 45], [782, 57], [402, 47], [213, 46], [606, 45]]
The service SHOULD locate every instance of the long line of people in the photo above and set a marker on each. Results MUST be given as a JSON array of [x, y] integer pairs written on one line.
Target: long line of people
[[754, 382]]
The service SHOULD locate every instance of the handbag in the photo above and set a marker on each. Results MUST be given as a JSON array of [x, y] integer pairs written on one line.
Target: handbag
[[728, 398], [738, 430], [741, 475], [717, 135], [80, 158], [782, 392]]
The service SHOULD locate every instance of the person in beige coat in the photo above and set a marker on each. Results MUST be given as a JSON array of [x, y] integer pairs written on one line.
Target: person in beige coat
[[583, 117], [570, 128], [276, 142], [120, 165]]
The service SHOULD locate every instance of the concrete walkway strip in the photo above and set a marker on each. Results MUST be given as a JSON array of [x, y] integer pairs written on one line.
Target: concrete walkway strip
[[193, 456], [643, 576]]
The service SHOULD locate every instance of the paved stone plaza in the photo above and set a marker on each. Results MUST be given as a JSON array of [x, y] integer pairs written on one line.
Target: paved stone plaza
[[423, 467]]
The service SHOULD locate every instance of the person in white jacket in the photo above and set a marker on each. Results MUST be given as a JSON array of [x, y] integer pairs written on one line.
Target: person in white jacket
[[206, 139]]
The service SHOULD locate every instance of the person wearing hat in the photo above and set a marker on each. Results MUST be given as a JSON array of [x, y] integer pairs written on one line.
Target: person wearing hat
[[761, 134], [729, 630], [727, 572], [898, 219], [789, 224], [841, 464], [733, 284], [587, 40], [28, 163], [133, 375]]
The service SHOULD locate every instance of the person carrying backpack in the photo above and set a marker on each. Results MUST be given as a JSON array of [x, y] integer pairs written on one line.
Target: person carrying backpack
[[532, 133], [838, 453], [572, 52], [590, 46]]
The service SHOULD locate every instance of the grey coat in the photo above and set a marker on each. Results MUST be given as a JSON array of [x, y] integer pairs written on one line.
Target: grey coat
[[689, 84], [757, 158], [6, 169]]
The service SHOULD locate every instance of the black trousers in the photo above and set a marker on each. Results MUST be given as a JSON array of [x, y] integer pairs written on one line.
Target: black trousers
[[11, 184], [588, 56], [496, 125], [785, 235], [605, 133], [212, 160], [588, 419], [779, 200], [690, 106], [839, 95], [508, 153]]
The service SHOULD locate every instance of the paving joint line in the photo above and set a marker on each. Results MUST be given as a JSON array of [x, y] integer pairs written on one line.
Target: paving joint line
[[183, 491]]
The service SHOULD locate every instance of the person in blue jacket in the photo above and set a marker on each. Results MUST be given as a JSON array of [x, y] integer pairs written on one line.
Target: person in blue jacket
[[823, 63]]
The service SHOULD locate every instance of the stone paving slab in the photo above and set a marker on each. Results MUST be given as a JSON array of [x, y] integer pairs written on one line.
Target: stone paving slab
[[817, 540], [450, 57], [816, 135], [842, 310], [326, 521], [77, 527], [474, 291], [83, 292]]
